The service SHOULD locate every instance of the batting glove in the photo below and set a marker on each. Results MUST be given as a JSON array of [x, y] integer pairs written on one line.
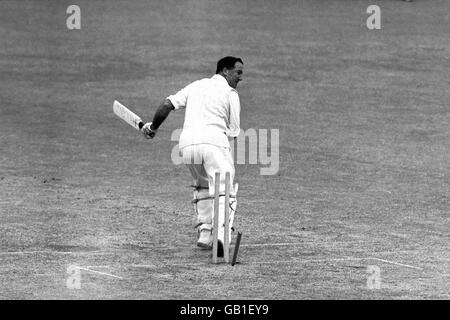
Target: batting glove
[[147, 131]]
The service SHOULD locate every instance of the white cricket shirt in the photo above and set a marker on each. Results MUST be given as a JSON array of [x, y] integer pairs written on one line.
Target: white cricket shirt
[[212, 112]]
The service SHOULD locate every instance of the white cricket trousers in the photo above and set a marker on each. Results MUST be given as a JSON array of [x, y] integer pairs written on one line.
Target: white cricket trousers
[[203, 161]]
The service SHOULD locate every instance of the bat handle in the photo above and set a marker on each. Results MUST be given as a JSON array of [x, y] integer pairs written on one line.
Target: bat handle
[[140, 125]]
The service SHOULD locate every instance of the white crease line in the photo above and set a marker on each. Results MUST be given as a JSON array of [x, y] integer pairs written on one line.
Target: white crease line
[[21, 252], [143, 266], [306, 261], [152, 266], [249, 262], [255, 245], [102, 273], [303, 243], [200, 264], [52, 252], [396, 263], [272, 244], [285, 261]]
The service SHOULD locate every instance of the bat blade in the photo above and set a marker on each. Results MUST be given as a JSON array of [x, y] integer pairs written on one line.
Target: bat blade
[[127, 115]]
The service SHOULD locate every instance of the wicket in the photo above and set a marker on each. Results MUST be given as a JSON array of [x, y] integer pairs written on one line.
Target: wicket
[[226, 244]]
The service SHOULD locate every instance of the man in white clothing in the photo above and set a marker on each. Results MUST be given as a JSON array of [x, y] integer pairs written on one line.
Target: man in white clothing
[[211, 120]]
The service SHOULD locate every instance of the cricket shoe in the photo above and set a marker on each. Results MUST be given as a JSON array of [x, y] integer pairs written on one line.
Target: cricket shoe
[[204, 239]]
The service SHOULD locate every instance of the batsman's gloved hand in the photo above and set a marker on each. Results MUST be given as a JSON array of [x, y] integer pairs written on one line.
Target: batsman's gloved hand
[[147, 130]]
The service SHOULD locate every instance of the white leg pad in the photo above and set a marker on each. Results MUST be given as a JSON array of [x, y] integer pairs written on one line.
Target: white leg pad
[[204, 209]]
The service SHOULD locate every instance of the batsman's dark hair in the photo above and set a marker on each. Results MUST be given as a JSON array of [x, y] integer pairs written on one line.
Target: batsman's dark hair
[[227, 62]]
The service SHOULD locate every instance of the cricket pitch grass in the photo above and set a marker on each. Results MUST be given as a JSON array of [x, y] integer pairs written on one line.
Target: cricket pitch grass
[[90, 209]]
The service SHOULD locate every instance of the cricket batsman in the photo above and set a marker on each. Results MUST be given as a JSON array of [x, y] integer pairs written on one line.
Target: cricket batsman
[[211, 122]]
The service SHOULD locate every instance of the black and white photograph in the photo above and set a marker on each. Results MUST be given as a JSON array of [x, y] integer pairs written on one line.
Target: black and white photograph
[[237, 151]]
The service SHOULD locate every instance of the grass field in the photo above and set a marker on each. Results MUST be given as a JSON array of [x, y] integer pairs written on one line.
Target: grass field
[[364, 149]]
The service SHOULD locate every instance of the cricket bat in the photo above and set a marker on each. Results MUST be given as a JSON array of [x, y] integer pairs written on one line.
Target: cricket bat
[[127, 115]]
